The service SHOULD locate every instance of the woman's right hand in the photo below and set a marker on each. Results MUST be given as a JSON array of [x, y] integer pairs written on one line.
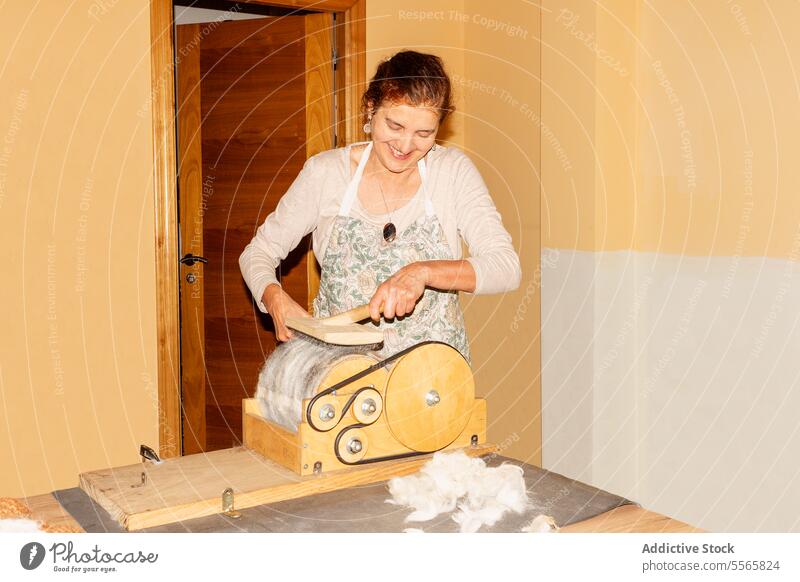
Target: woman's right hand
[[280, 306]]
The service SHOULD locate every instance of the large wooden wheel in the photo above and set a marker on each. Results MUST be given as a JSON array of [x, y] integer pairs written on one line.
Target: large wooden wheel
[[429, 397]]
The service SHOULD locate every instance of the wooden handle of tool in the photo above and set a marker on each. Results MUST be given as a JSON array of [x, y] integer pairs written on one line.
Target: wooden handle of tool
[[350, 316]]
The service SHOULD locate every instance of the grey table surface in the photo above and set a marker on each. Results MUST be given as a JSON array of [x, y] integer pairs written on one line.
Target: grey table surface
[[364, 509]]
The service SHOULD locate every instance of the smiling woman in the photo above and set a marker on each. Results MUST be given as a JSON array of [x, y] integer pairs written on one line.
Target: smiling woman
[[387, 218]]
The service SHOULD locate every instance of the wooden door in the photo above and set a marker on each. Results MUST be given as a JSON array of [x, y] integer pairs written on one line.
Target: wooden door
[[254, 101]]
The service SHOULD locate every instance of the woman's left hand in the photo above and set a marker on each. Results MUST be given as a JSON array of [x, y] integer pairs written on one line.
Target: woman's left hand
[[398, 295]]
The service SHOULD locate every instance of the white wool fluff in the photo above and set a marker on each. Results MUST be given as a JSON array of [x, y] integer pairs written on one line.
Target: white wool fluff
[[453, 480], [19, 526], [541, 524]]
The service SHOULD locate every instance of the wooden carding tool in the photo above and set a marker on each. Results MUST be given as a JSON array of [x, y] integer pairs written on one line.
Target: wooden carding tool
[[340, 329]]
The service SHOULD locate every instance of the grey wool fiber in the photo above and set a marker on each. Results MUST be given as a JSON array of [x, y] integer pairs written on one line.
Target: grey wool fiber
[[292, 373]]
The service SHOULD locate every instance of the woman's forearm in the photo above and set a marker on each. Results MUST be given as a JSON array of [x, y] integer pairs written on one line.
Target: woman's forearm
[[455, 275]]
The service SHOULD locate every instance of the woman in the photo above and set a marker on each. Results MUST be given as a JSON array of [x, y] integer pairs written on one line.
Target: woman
[[387, 215]]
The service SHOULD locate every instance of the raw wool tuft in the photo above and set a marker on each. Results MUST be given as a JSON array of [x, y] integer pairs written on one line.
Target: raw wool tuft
[[448, 481], [19, 525], [292, 372], [541, 524]]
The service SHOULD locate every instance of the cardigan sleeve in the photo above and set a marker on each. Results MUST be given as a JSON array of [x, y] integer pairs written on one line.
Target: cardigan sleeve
[[491, 254], [296, 215]]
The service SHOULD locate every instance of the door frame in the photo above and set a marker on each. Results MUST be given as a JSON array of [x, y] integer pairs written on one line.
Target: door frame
[[351, 79]]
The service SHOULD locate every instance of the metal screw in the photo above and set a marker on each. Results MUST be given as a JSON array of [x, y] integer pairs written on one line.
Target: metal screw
[[432, 398]]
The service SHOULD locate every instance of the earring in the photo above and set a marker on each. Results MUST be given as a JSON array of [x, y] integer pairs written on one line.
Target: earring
[[433, 148], [367, 127]]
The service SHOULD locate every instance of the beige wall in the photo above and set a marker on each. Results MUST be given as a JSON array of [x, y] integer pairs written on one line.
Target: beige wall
[[492, 54], [77, 362], [719, 129], [674, 120], [502, 112]]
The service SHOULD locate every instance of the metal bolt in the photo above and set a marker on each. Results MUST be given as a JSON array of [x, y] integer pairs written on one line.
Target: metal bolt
[[368, 407], [432, 398], [327, 412], [354, 446]]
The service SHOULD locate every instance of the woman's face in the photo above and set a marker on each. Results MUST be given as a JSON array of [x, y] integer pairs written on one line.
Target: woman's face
[[403, 134]]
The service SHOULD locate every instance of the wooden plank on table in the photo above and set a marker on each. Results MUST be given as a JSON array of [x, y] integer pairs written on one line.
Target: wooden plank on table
[[191, 486], [630, 519]]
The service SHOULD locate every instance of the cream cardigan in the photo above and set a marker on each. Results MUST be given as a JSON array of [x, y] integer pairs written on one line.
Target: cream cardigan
[[460, 199]]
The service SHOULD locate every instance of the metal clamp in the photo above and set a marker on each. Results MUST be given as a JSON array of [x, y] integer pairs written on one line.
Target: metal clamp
[[142, 483], [227, 504], [148, 454]]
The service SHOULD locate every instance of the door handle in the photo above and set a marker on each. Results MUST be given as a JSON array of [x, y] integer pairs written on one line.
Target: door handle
[[191, 259]]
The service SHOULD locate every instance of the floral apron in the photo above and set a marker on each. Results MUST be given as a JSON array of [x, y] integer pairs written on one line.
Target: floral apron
[[357, 260]]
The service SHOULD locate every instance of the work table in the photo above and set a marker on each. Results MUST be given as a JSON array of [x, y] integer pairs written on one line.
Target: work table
[[575, 507]]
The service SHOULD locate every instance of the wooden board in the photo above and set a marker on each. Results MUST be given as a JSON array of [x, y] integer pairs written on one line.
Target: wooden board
[[192, 486], [348, 334], [341, 329], [162, 96], [630, 519]]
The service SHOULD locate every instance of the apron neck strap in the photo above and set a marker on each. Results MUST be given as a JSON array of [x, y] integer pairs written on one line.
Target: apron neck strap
[[352, 187]]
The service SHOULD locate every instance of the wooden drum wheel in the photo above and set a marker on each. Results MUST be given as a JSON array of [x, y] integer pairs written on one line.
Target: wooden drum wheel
[[429, 397]]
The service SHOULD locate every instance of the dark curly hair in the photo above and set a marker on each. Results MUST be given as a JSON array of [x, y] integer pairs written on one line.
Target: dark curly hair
[[418, 79]]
